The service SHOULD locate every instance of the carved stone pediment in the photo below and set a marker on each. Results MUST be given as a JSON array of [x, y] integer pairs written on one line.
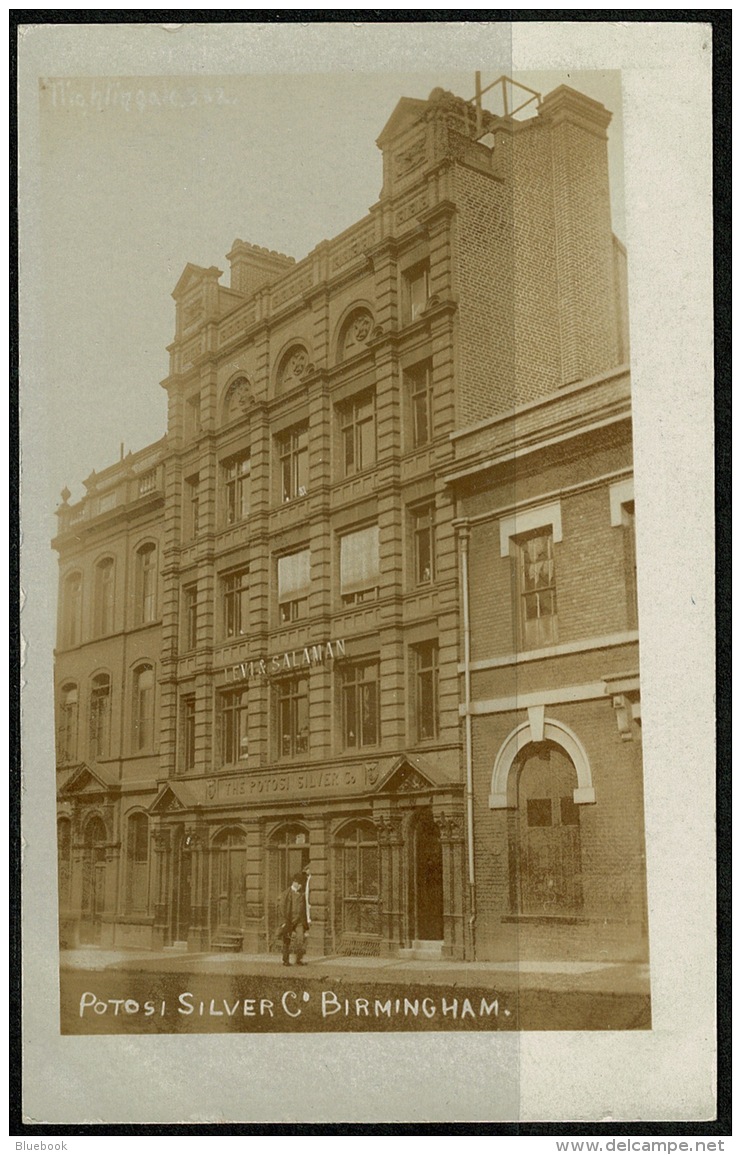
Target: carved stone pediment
[[85, 782], [166, 802], [173, 798], [406, 779]]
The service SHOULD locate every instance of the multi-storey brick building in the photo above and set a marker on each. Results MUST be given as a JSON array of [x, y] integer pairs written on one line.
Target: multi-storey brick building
[[271, 594]]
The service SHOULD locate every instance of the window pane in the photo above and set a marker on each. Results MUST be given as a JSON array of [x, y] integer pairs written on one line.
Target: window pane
[[302, 721], [294, 574], [351, 721], [539, 812], [569, 812], [351, 872], [421, 419], [143, 708], [367, 442], [369, 699], [369, 871], [348, 437], [427, 691], [359, 564]]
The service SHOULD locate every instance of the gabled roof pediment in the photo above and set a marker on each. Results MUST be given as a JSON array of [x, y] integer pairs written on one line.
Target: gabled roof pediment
[[410, 773], [173, 796], [407, 112], [85, 781], [193, 275]]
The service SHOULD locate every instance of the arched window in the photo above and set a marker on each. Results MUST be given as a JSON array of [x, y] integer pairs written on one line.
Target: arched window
[[68, 715], [359, 870], [146, 583], [104, 574], [137, 863], [544, 834], [64, 859], [72, 610], [100, 717], [143, 708]]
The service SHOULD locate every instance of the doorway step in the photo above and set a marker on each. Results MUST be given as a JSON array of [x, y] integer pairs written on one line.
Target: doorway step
[[227, 941], [176, 948], [423, 950]]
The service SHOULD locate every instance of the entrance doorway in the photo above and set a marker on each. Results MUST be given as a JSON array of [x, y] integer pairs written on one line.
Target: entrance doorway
[[180, 910], [228, 865], [93, 881], [427, 879], [545, 839], [288, 853]]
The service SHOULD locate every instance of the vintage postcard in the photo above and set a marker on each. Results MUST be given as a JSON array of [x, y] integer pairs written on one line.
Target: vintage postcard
[[354, 464]]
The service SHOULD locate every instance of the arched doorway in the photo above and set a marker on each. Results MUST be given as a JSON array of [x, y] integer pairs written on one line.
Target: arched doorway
[[544, 835], [288, 853], [426, 884], [93, 881], [180, 913], [228, 865]]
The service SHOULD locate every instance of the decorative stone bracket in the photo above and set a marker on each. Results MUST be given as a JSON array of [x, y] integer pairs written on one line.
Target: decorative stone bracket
[[625, 690]]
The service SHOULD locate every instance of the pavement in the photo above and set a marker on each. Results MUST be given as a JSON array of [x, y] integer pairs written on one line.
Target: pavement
[[613, 978]]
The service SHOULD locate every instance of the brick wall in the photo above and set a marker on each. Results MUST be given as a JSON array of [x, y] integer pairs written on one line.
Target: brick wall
[[484, 280]]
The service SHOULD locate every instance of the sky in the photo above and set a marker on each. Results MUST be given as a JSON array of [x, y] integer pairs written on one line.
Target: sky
[[140, 175]]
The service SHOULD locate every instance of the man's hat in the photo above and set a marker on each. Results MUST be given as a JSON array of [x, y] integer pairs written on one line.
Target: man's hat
[[298, 877]]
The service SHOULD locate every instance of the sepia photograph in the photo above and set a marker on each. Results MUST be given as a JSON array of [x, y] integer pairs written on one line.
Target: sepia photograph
[[345, 593]]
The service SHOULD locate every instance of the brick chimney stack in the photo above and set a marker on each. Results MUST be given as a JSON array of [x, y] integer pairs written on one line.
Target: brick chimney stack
[[253, 266], [583, 232]]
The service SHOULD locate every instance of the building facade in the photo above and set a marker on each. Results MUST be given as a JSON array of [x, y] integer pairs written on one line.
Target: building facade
[[261, 660]]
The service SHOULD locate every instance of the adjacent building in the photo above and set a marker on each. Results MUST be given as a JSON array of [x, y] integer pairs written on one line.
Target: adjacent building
[[371, 600]]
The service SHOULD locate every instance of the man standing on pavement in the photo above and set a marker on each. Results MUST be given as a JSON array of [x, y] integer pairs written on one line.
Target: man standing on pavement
[[295, 920]]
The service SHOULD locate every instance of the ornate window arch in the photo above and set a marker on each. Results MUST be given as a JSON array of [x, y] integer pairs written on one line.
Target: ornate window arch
[[292, 367], [354, 332], [538, 728], [238, 400]]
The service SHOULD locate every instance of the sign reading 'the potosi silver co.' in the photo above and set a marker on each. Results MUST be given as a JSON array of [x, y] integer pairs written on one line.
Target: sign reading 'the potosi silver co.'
[[301, 659]]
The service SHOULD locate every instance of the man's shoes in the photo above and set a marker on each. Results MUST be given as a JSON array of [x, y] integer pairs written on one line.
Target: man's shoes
[[285, 963], [300, 962]]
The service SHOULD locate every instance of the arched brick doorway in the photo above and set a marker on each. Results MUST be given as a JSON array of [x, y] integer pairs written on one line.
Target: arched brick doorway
[[544, 833]]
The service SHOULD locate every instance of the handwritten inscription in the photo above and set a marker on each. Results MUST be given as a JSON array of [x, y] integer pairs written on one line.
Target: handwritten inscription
[[72, 95], [294, 1004]]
